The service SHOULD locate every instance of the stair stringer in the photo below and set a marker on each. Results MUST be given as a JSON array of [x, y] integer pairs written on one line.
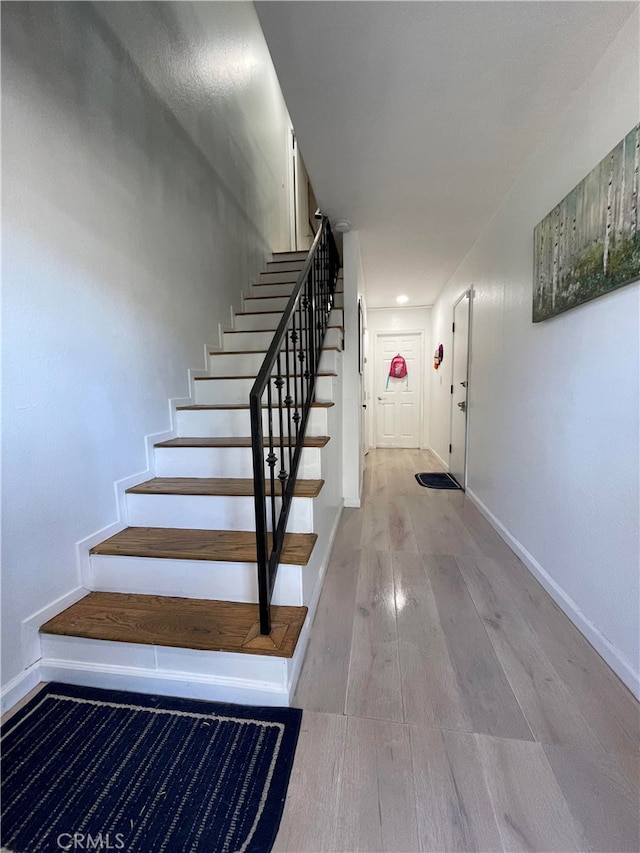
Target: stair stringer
[[329, 503], [31, 641], [83, 546]]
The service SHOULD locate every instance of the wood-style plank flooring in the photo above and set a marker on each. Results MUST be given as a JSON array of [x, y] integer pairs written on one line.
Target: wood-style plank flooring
[[448, 703]]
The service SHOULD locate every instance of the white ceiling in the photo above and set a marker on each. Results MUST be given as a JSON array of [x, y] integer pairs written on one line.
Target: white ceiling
[[414, 118]]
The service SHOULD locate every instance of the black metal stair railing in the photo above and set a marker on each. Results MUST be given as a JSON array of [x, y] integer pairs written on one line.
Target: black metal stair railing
[[279, 405]]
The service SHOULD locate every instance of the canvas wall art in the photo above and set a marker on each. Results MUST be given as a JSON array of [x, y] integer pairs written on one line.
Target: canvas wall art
[[590, 243]]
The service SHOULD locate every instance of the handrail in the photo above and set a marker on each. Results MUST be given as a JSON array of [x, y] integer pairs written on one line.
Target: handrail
[[283, 393]]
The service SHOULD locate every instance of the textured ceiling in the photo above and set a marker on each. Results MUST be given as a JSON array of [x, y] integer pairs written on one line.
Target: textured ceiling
[[414, 118]]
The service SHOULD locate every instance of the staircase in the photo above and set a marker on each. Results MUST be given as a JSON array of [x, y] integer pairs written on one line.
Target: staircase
[[173, 601]]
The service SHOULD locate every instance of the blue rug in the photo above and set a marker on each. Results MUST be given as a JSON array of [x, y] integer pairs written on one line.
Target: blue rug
[[437, 481], [88, 769]]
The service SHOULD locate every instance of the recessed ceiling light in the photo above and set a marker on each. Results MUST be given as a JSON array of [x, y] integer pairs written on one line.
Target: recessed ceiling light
[[402, 299]]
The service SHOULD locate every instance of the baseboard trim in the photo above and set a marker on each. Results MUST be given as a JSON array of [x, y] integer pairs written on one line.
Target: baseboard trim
[[222, 328], [595, 637], [439, 458], [84, 546], [16, 689], [190, 685], [30, 627]]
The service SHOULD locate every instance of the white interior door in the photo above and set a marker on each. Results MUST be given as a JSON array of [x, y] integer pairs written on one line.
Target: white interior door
[[460, 389], [300, 195], [362, 349], [398, 403]]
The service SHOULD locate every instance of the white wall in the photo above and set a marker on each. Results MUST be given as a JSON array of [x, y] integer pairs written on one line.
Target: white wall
[[400, 320], [553, 407], [352, 393], [134, 211]]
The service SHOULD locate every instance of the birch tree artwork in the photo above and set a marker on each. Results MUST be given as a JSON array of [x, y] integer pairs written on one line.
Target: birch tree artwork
[[590, 243]]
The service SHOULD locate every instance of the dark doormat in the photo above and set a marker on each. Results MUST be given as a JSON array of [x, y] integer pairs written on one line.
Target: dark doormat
[[437, 481], [89, 767]]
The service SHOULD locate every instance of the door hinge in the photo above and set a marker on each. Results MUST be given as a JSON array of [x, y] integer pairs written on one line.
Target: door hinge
[[452, 389], [450, 448], [453, 327]]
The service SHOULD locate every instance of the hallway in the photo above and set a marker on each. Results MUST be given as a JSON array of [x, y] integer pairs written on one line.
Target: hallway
[[449, 704]]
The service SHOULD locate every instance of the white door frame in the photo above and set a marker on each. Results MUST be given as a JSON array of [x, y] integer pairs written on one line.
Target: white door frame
[[364, 380], [292, 178], [388, 333], [467, 294]]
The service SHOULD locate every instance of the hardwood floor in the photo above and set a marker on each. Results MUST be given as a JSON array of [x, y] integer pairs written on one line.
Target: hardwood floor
[[449, 704]]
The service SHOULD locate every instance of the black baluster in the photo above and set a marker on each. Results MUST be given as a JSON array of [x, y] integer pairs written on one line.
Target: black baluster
[[271, 461], [282, 475], [295, 337]]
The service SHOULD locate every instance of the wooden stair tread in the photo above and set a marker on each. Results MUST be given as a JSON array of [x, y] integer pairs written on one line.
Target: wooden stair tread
[[173, 543], [253, 313], [280, 296], [250, 376], [233, 441], [227, 486], [257, 331], [339, 282], [221, 406], [189, 623], [257, 351]]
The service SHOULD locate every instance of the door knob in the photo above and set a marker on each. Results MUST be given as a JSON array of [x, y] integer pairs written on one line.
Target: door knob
[[464, 384], [462, 406], [380, 398]]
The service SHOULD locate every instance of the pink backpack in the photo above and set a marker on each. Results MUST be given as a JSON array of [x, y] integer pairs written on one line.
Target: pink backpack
[[397, 368]]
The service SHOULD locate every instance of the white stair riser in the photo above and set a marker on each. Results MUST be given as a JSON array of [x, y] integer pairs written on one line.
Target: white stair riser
[[217, 391], [275, 274], [223, 462], [285, 266], [279, 303], [224, 581], [224, 422], [254, 322], [300, 256], [278, 276], [249, 363], [274, 289], [161, 670], [235, 364], [210, 512], [260, 341], [247, 341]]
